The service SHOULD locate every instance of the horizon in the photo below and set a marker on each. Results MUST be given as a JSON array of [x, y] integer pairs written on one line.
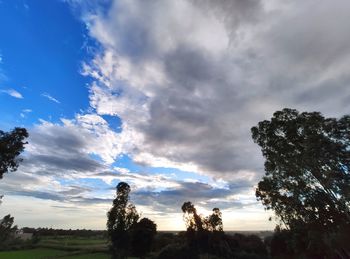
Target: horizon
[[161, 95]]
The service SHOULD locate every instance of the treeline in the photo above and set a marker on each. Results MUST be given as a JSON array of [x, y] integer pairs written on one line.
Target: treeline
[[65, 232], [204, 236]]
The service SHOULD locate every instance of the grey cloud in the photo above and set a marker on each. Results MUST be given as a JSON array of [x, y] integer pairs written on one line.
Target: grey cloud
[[233, 12], [75, 190], [38, 194], [171, 200], [204, 112], [58, 139], [81, 163]]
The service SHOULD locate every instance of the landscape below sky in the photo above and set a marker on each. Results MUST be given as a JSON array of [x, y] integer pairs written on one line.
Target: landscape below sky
[[161, 95]]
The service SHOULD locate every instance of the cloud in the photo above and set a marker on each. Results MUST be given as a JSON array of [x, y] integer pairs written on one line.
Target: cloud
[[13, 93], [190, 78], [48, 96]]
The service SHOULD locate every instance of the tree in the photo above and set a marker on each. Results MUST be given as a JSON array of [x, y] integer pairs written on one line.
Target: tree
[[121, 217], [307, 167], [7, 231], [11, 145], [142, 237], [192, 219], [204, 234], [214, 221]]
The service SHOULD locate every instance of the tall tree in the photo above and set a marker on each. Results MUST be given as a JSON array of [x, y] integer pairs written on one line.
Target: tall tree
[[121, 217], [11, 145], [307, 168]]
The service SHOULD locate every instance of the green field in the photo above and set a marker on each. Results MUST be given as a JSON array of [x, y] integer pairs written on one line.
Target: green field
[[62, 247], [69, 243], [31, 254], [44, 253]]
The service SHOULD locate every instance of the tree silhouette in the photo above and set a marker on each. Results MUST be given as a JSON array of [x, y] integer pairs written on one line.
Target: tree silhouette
[[11, 145], [7, 231], [192, 219], [121, 217], [142, 236], [307, 176], [214, 221]]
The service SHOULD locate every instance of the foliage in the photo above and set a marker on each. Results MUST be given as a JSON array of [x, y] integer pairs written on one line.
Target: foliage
[[11, 145], [214, 221], [142, 237], [196, 222], [121, 217], [307, 178], [205, 234], [307, 167], [7, 231], [176, 251], [192, 219]]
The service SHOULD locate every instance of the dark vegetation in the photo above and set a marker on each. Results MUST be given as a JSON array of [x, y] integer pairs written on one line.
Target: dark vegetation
[[306, 184], [11, 145]]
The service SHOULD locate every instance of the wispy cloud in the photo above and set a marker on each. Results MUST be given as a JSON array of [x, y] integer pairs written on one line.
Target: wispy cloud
[[13, 93], [51, 98]]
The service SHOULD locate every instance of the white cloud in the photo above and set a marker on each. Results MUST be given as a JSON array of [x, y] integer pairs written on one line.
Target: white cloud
[[13, 93], [48, 96]]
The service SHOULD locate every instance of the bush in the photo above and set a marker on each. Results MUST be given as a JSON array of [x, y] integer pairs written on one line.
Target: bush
[[176, 251]]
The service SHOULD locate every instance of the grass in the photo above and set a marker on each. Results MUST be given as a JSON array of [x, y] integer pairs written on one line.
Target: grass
[[43, 253], [69, 243], [63, 247], [38, 253]]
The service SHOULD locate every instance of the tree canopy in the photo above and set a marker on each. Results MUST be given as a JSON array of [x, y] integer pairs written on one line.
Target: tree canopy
[[11, 145], [307, 168]]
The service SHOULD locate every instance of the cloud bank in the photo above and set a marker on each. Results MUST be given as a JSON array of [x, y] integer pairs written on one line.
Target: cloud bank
[[190, 78]]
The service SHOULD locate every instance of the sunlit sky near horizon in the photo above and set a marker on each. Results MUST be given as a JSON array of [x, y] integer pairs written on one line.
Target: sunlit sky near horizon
[[162, 95]]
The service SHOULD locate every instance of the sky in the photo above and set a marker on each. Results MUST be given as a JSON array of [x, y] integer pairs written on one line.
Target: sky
[[161, 95]]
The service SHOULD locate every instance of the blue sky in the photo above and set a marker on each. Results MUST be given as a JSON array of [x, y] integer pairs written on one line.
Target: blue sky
[[161, 94], [41, 49]]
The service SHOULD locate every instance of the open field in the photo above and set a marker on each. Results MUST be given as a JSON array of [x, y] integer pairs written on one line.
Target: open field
[[65, 247], [44, 253], [69, 243], [62, 247], [37, 253]]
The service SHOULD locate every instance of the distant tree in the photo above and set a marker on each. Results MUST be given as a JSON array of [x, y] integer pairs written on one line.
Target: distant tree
[[307, 168], [142, 237], [205, 234], [192, 219], [214, 221], [121, 217], [11, 145]]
